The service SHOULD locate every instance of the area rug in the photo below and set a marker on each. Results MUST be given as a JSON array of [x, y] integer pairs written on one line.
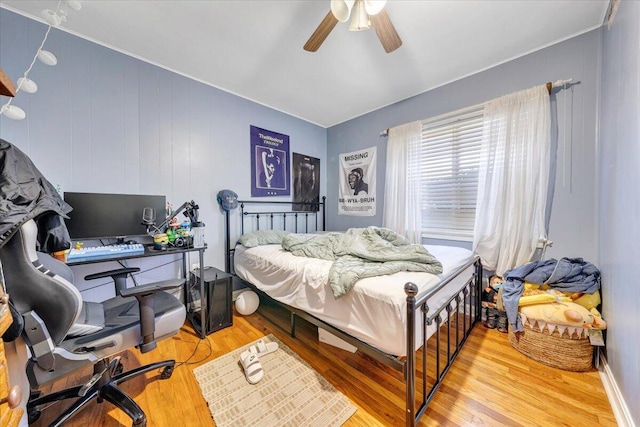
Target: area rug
[[291, 393]]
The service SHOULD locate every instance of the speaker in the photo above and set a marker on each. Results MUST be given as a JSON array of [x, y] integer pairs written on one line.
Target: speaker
[[218, 286]]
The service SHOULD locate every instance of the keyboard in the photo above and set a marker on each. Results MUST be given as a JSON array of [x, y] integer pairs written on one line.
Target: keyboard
[[104, 252]]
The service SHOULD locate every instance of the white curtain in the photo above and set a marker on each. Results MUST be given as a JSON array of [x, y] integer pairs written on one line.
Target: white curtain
[[401, 211], [514, 173]]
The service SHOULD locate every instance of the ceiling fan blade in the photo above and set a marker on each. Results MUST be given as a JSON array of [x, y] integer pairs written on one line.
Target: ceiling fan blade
[[321, 33], [386, 31]]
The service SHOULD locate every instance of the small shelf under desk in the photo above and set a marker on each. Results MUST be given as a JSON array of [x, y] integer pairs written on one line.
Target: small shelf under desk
[[149, 251]]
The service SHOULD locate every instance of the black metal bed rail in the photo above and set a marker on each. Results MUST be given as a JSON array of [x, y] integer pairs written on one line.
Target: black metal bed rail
[[295, 215], [464, 302], [314, 210], [318, 208]]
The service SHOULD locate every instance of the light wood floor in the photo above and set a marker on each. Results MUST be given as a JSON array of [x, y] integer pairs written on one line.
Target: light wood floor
[[490, 384]]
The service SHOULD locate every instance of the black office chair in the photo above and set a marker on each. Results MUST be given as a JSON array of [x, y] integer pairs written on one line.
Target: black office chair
[[64, 333]]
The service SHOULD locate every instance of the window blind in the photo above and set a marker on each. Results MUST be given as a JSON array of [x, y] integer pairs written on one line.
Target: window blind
[[449, 163]]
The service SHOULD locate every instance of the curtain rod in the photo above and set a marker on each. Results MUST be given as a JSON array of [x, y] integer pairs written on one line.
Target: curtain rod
[[558, 83], [550, 86]]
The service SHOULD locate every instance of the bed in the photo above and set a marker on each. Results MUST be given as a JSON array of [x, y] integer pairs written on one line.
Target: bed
[[386, 317]]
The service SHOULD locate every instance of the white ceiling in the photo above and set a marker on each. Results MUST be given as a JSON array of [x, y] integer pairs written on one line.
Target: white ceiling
[[253, 48]]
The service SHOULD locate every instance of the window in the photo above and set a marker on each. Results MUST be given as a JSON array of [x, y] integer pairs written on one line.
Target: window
[[449, 156]]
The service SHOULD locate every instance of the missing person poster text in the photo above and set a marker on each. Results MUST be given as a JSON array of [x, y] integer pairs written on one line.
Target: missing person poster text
[[357, 183]]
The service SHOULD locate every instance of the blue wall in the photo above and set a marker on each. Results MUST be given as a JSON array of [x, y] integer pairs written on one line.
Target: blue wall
[[102, 121], [619, 196], [574, 206]]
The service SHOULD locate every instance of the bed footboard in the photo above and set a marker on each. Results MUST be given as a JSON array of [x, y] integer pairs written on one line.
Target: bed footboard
[[426, 368]]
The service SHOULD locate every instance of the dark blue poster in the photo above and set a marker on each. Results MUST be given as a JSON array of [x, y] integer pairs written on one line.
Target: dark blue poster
[[269, 163]]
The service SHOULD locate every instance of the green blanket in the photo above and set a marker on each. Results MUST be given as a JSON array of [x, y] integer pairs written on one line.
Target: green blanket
[[360, 253]]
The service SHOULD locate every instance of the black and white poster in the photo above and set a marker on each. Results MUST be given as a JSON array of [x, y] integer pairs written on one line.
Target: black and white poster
[[306, 182], [357, 183], [269, 163]]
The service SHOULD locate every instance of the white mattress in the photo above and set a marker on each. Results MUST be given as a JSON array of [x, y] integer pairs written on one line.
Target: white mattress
[[374, 311]]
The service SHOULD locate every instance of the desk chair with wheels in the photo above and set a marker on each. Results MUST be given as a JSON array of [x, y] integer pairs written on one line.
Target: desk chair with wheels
[[65, 333]]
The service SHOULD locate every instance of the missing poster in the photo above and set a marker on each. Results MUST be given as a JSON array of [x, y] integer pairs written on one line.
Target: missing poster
[[357, 183], [269, 163]]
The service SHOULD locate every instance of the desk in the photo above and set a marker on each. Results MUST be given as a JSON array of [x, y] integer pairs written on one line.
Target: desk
[[149, 251]]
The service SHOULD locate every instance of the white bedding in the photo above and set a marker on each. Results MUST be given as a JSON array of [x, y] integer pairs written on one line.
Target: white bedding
[[374, 311]]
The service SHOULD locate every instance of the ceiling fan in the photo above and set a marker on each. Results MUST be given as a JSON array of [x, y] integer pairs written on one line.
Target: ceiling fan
[[365, 13]]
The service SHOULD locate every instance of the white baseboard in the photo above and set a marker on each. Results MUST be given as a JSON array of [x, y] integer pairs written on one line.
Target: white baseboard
[[619, 406]]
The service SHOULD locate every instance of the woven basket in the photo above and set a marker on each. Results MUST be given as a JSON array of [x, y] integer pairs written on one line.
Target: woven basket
[[560, 349]]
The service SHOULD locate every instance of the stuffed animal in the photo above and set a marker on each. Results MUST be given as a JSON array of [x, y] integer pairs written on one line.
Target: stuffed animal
[[564, 313], [540, 302], [494, 317]]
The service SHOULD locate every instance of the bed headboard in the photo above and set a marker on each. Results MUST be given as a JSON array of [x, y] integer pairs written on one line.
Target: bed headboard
[[251, 215]]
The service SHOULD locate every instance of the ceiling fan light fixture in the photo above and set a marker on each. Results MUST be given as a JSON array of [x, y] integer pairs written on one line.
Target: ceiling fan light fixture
[[360, 20], [341, 9], [366, 14], [373, 7]]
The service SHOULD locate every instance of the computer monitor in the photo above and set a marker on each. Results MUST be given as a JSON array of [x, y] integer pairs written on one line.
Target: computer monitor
[[102, 215]]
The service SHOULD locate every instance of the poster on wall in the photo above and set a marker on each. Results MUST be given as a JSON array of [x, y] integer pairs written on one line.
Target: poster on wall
[[269, 163], [357, 183], [306, 182]]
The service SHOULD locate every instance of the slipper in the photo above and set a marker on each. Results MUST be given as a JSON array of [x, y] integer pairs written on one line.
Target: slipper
[[252, 367], [261, 348]]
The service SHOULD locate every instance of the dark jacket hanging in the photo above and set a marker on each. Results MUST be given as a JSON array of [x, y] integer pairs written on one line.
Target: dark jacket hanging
[[26, 194]]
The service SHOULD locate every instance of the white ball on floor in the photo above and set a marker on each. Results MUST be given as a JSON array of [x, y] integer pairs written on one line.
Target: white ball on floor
[[247, 302]]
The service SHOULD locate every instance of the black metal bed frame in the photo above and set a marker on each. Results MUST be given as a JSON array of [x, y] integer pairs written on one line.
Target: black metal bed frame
[[456, 316]]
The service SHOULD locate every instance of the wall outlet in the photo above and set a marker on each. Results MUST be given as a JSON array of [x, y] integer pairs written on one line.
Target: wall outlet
[[195, 266]]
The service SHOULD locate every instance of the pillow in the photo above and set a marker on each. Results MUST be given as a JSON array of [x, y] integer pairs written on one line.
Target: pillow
[[262, 237]]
